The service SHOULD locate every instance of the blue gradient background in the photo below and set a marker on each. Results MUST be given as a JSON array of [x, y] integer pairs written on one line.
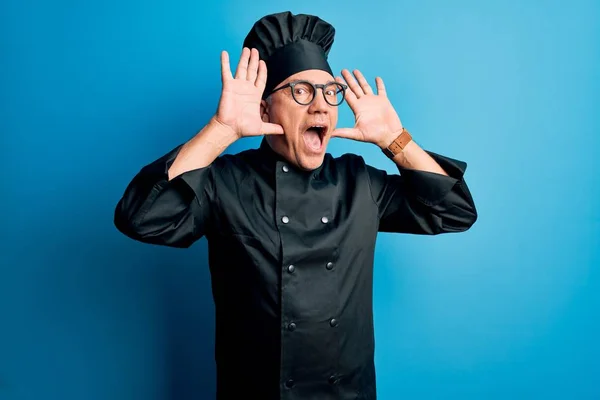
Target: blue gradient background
[[92, 91]]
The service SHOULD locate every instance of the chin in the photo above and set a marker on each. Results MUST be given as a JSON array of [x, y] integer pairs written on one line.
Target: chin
[[310, 162]]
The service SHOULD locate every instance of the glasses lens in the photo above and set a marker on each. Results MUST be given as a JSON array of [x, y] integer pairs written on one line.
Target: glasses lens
[[303, 92], [334, 94]]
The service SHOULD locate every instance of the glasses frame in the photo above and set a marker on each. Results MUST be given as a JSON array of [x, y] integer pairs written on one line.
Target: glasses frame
[[315, 86]]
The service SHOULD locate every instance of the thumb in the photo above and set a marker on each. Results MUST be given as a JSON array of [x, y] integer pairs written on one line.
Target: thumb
[[271, 129], [348, 133]]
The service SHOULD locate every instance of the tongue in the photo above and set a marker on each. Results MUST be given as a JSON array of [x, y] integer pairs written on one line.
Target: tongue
[[312, 139]]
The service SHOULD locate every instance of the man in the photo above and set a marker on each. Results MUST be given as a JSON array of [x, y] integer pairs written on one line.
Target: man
[[291, 230]]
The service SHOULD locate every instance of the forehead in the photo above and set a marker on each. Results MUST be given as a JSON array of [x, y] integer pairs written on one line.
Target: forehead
[[311, 75]]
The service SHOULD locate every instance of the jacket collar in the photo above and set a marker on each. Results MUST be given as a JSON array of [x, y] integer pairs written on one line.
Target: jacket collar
[[272, 159]]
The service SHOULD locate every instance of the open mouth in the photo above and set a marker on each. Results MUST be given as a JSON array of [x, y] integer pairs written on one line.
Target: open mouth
[[314, 136]]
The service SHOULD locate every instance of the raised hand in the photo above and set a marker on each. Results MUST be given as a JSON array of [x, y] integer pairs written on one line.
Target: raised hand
[[239, 105], [376, 121]]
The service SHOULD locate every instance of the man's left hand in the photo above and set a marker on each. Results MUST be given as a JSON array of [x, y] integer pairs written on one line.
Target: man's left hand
[[376, 120]]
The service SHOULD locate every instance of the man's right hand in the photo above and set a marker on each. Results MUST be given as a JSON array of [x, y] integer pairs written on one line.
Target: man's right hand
[[239, 105], [238, 115]]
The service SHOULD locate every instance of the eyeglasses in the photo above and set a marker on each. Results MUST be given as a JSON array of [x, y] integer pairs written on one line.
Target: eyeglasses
[[304, 92]]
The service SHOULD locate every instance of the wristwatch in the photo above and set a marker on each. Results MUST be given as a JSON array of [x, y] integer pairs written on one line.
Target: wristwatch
[[398, 144]]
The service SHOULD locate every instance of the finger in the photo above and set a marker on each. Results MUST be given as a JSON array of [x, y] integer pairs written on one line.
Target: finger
[[352, 84], [261, 78], [253, 66], [364, 85], [225, 68], [271, 129], [242, 67], [349, 95], [380, 87], [347, 133]]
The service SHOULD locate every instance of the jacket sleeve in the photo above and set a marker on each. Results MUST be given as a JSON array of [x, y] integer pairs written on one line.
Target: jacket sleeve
[[171, 213], [422, 202]]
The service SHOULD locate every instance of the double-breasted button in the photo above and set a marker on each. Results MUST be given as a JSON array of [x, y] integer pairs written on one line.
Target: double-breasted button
[[329, 265], [334, 322], [285, 219], [333, 380], [291, 326], [285, 168], [324, 220], [289, 383], [291, 269]]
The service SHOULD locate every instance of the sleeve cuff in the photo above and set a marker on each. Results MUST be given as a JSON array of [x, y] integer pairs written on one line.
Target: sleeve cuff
[[431, 188], [159, 171]]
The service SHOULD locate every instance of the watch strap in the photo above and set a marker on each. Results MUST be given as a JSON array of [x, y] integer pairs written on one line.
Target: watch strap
[[398, 144]]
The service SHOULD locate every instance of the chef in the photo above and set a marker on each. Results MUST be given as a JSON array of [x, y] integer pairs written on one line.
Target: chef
[[290, 229]]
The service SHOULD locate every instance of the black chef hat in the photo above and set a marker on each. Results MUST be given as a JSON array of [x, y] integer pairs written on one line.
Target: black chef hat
[[289, 44]]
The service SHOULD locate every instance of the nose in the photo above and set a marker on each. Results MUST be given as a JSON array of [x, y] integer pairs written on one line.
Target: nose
[[319, 104]]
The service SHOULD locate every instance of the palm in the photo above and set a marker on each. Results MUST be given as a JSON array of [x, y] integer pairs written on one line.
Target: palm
[[375, 116], [239, 105]]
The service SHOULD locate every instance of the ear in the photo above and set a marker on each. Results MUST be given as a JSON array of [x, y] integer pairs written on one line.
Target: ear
[[264, 111]]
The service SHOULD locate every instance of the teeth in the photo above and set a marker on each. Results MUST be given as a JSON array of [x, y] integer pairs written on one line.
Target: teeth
[[320, 129]]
